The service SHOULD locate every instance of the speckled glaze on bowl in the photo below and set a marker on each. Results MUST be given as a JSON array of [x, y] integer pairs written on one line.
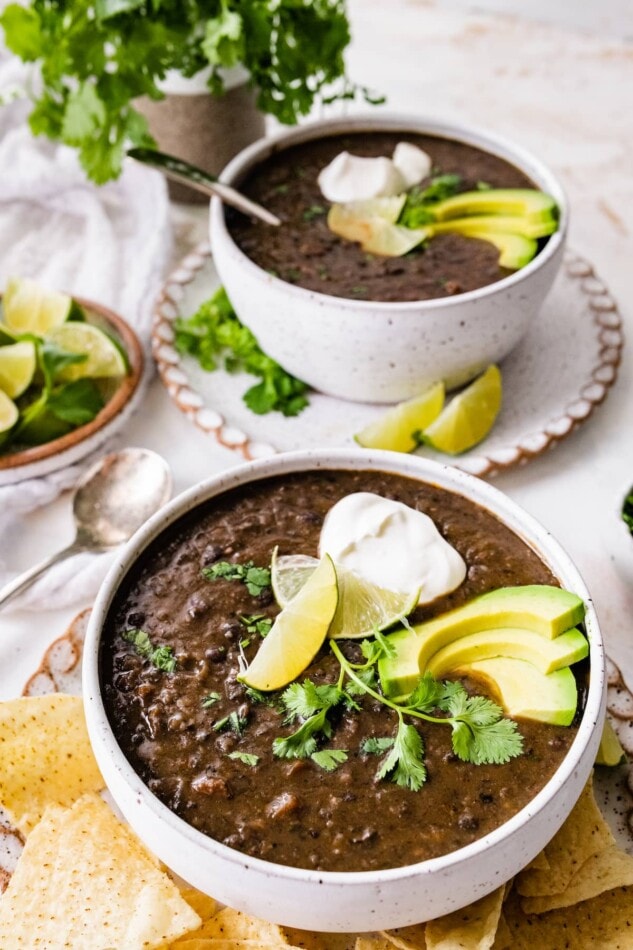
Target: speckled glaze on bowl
[[346, 901], [42, 459], [370, 351]]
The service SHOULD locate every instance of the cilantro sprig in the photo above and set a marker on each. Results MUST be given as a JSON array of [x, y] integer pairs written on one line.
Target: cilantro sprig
[[161, 657], [417, 210], [216, 337], [97, 58], [256, 579]]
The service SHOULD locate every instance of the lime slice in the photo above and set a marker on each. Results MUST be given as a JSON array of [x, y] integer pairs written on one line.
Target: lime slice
[[29, 308], [469, 417], [392, 240], [610, 752], [297, 633], [394, 430], [8, 414], [104, 358], [17, 367], [362, 607]]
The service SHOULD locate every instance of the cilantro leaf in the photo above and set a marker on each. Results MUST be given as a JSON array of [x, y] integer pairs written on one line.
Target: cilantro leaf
[[329, 759], [302, 743], [23, 31], [427, 695], [376, 745], [78, 402], [248, 758], [52, 359], [368, 680], [257, 623], [233, 721], [418, 207], [210, 700], [215, 336], [302, 700], [405, 763], [161, 657], [255, 578]]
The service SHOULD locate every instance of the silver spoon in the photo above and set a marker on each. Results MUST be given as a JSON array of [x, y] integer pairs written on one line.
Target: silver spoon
[[112, 500], [186, 174]]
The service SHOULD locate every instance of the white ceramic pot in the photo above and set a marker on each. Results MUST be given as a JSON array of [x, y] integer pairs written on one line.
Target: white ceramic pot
[[346, 901], [385, 352]]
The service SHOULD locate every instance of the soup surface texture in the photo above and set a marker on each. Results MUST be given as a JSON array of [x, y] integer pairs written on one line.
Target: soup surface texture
[[305, 252], [292, 811]]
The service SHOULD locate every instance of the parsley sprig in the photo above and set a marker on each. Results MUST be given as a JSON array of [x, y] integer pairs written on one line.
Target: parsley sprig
[[215, 336], [256, 579], [161, 657]]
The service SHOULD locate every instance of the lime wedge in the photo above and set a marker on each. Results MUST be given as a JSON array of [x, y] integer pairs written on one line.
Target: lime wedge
[[29, 308], [394, 430], [362, 607], [17, 367], [297, 633], [469, 417], [104, 358], [610, 752], [8, 414]]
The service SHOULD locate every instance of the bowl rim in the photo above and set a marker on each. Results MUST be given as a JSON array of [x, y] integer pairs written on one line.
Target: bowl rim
[[119, 400], [509, 512], [408, 123]]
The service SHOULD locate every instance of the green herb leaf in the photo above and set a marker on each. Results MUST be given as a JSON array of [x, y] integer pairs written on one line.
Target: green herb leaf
[[52, 360], [78, 402], [405, 763], [257, 623], [302, 700], [302, 743], [627, 511], [248, 758], [314, 211], [376, 745], [256, 579], [233, 721], [418, 208], [215, 336], [23, 31], [329, 759], [210, 700], [161, 657]]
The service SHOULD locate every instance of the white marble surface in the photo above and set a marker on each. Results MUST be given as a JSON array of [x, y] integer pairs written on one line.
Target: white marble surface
[[564, 95]]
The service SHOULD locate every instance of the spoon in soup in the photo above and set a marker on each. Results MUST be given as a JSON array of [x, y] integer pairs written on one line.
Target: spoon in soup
[[112, 500], [192, 176]]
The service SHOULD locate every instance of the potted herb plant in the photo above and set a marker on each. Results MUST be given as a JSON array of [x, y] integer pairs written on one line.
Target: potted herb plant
[[100, 58]]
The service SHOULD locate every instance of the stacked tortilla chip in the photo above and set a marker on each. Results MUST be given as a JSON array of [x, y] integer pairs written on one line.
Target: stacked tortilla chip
[[85, 882]]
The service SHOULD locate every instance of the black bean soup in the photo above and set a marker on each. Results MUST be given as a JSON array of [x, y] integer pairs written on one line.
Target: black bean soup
[[305, 252], [291, 811]]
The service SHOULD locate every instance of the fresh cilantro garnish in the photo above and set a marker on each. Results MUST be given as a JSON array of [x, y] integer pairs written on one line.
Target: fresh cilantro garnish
[[405, 763], [302, 743], [233, 721], [256, 696], [418, 208], [314, 211], [483, 186], [210, 700], [256, 579], [161, 657], [302, 700], [257, 623], [215, 336], [376, 745], [627, 511], [248, 758], [329, 759]]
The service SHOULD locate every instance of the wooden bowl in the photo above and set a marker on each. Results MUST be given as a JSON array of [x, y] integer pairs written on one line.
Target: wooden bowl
[[67, 449]]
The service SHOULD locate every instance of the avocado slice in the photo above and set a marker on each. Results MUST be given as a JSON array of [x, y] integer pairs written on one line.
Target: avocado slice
[[546, 655], [527, 202], [515, 250], [496, 224], [610, 752], [525, 692], [548, 611]]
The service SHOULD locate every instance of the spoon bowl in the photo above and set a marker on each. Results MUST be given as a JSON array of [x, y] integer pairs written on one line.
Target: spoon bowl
[[113, 499]]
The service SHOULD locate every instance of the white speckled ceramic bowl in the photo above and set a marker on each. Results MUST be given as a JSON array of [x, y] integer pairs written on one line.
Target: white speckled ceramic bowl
[[369, 351], [346, 901]]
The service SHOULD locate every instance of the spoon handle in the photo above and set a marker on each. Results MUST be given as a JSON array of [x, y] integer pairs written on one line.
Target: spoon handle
[[186, 174], [22, 581]]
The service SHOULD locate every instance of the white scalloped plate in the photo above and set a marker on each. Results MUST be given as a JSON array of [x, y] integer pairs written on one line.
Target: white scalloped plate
[[553, 380]]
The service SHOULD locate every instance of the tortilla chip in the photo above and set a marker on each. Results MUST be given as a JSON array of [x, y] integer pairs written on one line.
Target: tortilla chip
[[407, 938], [584, 833], [308, 940], [233, 925], [603, 923], [46, 756], [602, 872], [365, 942], [539, 863], [503, 937], [210, 943], [83, 873], [472, 928]]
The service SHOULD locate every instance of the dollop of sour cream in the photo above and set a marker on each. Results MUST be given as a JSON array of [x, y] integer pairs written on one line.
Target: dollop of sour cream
[[356, 178], [391, 545]]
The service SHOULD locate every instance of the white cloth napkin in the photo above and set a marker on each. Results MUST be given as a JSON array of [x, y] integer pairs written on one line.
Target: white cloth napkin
[[108, 244]]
